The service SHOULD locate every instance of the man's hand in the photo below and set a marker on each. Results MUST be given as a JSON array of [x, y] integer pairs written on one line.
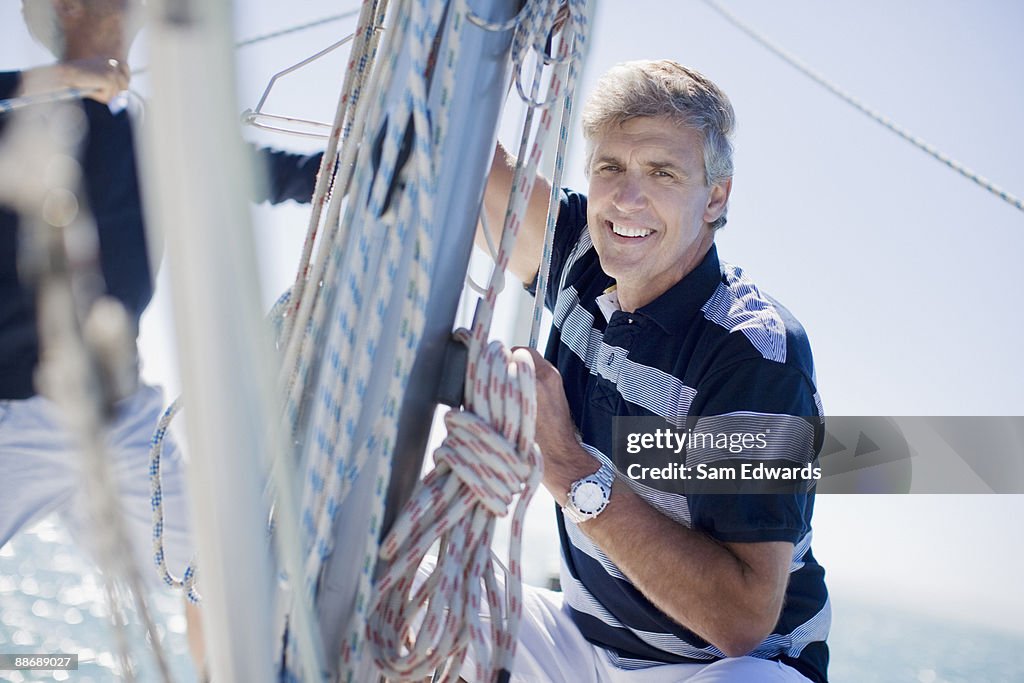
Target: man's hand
[[565, 461], [98, 78]]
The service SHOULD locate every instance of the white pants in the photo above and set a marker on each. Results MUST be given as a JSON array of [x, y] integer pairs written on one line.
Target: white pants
[[41, 473], [550, 649]]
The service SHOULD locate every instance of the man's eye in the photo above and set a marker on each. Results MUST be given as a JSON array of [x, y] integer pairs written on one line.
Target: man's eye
[[662, 174], [609, 168]]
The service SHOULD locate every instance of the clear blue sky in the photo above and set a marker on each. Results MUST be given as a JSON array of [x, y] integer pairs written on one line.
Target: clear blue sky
[[906, 276]]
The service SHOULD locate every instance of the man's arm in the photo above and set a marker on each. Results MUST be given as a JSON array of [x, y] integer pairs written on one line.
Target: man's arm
[[286, 175], [98, 78], [730, 594], [525, 258], [10, 81]]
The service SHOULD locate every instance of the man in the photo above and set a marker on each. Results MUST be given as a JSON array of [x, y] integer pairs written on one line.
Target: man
[[38, 465], [665, 580]]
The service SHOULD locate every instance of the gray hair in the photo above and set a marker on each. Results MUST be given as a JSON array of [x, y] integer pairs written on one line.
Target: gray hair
[[665, 89]]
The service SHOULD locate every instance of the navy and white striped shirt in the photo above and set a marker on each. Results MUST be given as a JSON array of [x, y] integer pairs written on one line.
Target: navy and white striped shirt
[[712, 348]]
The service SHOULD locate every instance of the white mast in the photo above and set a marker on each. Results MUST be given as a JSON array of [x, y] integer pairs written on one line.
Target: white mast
[[196, 198]]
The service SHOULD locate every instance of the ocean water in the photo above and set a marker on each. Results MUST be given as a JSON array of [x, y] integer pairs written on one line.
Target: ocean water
[[51, 601], [876, 644]]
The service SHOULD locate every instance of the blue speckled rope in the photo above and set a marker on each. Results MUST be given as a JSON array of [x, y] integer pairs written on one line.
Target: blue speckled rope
[[188, 580], [361, 263]]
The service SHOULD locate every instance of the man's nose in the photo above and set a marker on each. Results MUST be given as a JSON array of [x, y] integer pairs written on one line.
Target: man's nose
[[629, 194]]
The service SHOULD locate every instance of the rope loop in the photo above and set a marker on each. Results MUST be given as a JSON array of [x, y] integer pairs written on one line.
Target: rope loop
[[488, 458], [494, 487]]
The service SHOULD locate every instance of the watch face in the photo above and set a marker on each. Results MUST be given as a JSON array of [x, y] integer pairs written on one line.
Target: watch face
[[588, 497]]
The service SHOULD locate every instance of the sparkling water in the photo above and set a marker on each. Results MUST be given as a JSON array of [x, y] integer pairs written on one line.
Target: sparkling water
[[51, 601]]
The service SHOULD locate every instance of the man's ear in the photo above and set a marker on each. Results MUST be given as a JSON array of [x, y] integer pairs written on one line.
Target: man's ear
[[717, 200]]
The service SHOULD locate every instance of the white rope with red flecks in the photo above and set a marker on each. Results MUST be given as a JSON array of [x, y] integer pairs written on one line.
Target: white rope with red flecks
[[488, 458]]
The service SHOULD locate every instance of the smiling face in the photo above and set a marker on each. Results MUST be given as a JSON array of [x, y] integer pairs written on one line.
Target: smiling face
[[648, 208]]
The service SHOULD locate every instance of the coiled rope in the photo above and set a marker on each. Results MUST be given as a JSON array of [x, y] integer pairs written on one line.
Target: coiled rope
[[871, 113], [488, 458]]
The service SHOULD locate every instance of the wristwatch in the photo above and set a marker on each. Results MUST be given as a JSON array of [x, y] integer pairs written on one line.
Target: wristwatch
[[589, 496]]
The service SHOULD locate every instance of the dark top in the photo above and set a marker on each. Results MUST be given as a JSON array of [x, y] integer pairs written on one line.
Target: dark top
[[713, 355], [112, 192]]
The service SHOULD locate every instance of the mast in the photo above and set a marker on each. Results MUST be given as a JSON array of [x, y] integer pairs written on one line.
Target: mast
[[196, 187]]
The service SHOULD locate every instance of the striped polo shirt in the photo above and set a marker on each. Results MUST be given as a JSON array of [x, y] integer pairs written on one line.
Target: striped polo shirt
[[713, 350]]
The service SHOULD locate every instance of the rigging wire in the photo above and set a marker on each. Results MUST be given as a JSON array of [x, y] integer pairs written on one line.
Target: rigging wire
[[821, 80], [297, 29], [281, 33]]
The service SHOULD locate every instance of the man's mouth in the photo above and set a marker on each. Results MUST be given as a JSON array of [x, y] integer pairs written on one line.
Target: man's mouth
[[628, 231]]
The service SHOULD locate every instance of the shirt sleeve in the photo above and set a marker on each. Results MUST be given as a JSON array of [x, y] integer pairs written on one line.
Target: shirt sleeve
[[286, 175], [571, 222], [9, 82], [761, 415]]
